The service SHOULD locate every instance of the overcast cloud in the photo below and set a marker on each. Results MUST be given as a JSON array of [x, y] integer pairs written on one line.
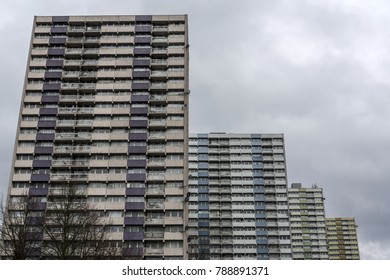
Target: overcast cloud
[[317, 71]]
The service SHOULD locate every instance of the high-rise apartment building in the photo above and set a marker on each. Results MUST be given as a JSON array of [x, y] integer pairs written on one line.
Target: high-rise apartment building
[[342, 239], [238, 197], [308, 227], [105, 111]]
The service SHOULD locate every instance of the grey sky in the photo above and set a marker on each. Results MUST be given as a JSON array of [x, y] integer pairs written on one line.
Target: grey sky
[[316, 71]]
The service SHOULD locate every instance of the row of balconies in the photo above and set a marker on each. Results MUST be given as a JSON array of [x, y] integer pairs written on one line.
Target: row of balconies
[[113, 29], [85, 136], [92, 87], [96, 40], [77, 52], [103, 123], [83, 177], [94, 64]]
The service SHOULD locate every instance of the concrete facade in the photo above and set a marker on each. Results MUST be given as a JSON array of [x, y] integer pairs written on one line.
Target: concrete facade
[[105, 110], [307, 218], [342, 239], [238, 197]]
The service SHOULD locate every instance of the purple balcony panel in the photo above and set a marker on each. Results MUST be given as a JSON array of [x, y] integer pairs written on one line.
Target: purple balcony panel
[[59, 30], [48, 112], [139, 98], [36, 252], [135, 191], [53, 75], [134, 221], [139, 111], [40, 178], [50, 99], [143, 18], [136, 163], [50, 87], [34, 236], [133, 252], [141, 62], [133, 236], [136, 177], [45, 137], [135, 206], [143, 28], [57, 41], [137, 150], [46, 124], [36, 206], [60, 19], [41, 163], [138, 136], [38, 192], [141, 74], [43, 150], [35, 221], [54, 63], [140, 86], [56, 52], [138, 123], [142, 50], [142, 40]]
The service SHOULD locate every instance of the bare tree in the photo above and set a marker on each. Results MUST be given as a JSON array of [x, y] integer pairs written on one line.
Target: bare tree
[[21, 229], [73, 230], [65, 228]]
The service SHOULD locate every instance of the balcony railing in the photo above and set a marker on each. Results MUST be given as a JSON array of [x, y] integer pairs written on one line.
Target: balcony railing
[[154, 234]]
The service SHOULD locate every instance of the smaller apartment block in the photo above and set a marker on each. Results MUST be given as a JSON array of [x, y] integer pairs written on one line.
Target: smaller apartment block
[[237, 202], [308, 228], [342, 239]]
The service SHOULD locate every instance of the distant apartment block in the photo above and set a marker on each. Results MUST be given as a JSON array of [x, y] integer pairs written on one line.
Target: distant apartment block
[[342, 239], [307, 218], [237, 205], [105, 110]]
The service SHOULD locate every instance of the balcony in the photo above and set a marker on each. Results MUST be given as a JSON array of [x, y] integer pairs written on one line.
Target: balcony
[[156, 149], [154, 191], [71, 98], [157, 123], [78, 74], [160, 110], [154, 221], [156, 163], [75, 40], [159, 62], [73, 136], [70, 163], [73, 51], [158, 74], [158, 98], [159, 51], [74, 110], [72, 149], [91, 51], [155, 177], [158, 86], [154, 235], [68, 177], [158, 136], [154, 251], [162, 40], [160, 29], [154, 205]]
